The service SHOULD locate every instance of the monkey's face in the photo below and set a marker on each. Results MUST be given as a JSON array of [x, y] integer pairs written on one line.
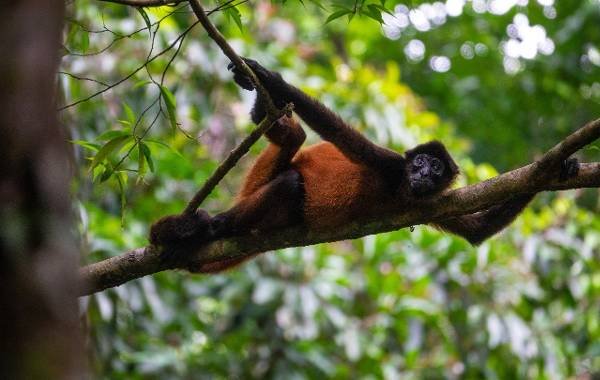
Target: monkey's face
[[426, 174]]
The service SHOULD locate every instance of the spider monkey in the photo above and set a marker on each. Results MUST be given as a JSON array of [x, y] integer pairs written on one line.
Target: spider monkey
[[325, 185]]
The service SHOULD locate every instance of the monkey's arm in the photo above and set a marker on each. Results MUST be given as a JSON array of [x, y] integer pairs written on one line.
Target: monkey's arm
[[481, 225], [321, 119]]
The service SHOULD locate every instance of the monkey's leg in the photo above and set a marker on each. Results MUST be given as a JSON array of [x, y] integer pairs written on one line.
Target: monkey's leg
[[286, 137], [277, 204], [181, 230], [481, 225]]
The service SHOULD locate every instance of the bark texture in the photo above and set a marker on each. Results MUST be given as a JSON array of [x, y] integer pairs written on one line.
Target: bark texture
[[536, 177], [39, 329]]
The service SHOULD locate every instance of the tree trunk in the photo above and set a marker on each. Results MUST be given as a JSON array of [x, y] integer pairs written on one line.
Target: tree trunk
[[39, 331]]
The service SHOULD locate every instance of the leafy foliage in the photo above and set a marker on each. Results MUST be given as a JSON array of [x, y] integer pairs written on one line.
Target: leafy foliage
[[418, 304]]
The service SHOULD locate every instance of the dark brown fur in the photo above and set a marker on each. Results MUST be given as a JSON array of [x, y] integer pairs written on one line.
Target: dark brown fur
[[325, 185]]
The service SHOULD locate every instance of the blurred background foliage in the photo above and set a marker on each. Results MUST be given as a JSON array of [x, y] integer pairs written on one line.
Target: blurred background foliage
[[498, 81]]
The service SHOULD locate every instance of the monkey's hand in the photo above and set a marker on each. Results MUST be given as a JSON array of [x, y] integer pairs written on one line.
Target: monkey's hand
[[181, 230], [568, 168], [267, 78]]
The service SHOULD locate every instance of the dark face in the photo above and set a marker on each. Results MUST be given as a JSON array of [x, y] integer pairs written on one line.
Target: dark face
[[425, 174]]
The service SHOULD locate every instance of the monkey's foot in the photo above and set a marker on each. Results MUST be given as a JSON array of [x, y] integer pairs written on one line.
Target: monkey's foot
[[569, 168], [181, 230]]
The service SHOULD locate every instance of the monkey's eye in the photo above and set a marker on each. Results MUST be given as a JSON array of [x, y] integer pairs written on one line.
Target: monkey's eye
[[437, 166], [419, 161]]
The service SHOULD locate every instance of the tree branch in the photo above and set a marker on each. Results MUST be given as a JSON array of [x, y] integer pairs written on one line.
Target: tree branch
[[272, 112], [144, 261], [233, 158], [146, 3]]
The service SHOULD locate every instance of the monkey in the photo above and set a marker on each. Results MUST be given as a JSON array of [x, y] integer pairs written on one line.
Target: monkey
[[326, 185]]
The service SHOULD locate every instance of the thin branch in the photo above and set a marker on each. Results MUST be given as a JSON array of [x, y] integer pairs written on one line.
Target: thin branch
[[146, 3], [160, 3], [272, 113], [133, 72], [232, 160], [83, 78], [118, 36], [225, 5], [230, 53], [148, 260]]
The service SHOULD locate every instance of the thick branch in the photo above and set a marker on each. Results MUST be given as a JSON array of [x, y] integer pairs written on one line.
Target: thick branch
[[574, 142], [144, 261]]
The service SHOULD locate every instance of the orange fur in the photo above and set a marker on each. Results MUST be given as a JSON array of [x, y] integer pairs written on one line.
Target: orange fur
[[286, 137], [337, 189], [344, 178], [220, 265]]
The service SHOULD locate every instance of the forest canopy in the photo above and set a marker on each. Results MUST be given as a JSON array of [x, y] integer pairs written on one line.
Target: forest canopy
[[151, 110]]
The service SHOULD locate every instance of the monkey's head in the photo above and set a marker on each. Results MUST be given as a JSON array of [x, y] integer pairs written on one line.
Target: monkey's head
[[430, 168]]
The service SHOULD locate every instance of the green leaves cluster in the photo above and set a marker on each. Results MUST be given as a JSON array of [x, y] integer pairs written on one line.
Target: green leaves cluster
[[372, 10], [414, 305]]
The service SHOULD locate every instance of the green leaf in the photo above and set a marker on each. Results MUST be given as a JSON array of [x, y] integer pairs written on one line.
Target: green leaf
[[97, 172], [128, 146], [129, 113], [141, 162], [106, 174], [142, 12], [107, 149], [86, 144], [234, 14], [84, 41], [142, 83], [337, 14], [169, 147], [374, 13], [112, 134], [148, 155], [72, 34], [171, 104], [318, 4], [122, 181], [381, 8]]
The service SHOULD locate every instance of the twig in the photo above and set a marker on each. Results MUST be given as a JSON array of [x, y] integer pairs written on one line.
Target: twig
[[118, 37], [180, 37], [132, 73], [232, 159], [272, 113], [146, 3], [83, 78]]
